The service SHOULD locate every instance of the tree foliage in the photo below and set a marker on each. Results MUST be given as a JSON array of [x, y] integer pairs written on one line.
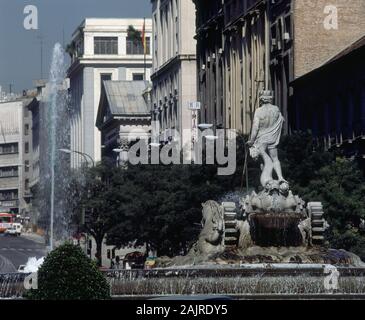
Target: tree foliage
[[156, 205], [134, 34], [164, 207], [68, 274], [161, 205], [318, 175]]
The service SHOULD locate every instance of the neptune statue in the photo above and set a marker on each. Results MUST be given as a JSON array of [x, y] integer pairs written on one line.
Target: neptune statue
[[265, 137]]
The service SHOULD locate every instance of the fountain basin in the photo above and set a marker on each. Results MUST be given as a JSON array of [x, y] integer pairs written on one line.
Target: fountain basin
[[236, 281], [240, 281], [275, 229]]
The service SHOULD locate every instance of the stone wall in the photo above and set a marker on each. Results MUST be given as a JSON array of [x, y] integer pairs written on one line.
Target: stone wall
[[314, 44]]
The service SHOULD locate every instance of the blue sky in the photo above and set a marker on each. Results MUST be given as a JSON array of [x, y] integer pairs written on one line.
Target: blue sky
[[20, 61]]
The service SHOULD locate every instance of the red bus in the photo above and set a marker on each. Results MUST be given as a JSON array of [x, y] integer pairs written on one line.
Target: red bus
[[6, 220]]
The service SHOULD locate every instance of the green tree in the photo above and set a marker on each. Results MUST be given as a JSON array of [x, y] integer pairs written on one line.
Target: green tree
[[161, 205], [167, 206], [134, 34], [101, 202], [68, 274], [318, 175]]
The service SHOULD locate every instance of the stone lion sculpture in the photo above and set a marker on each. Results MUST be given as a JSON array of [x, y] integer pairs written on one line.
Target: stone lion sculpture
[[211, 238]]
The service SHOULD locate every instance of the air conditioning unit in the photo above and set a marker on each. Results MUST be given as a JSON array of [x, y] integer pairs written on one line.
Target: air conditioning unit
[[286, 36]]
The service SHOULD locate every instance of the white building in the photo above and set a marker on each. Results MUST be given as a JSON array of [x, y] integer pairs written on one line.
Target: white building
[[102, 50], [174, 66], [15, 152]]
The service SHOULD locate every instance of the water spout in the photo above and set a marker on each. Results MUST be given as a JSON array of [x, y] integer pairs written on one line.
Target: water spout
[[57, 76]]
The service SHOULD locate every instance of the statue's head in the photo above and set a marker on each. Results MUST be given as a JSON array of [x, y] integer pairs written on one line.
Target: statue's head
[[284, 187], [272, 185], [212, 223], [266, 96], [212, 213]]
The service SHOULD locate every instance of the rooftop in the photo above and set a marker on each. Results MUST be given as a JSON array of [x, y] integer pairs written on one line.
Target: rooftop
[[352, 47], [112, 24], [126, 97]]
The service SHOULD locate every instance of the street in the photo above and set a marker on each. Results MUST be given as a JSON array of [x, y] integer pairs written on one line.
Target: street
[[15, 251]]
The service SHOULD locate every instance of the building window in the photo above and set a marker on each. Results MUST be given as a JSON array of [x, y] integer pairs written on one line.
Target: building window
[[106, 45], [105, 77], [8, 195], [138, 76], [26, 184], [26, 129], [135, 46], [26, 166], [8, 172], [9, 148], [26, 147]]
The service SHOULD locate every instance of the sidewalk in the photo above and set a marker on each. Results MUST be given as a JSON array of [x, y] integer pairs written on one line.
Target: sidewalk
[[34, 237]]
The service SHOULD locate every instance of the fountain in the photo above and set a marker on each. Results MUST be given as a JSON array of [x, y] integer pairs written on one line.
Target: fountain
[[266, 243], [33, 264], [51, 200], [259, 245], [273, 226], [54, 167], [12, 285]]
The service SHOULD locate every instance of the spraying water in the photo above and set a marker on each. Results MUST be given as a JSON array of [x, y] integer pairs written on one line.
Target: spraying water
[[57, 76], [52, 202], [33, 265]]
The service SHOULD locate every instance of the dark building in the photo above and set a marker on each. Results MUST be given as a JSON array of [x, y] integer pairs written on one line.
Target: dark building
[[330, 101], [237, 58], [245, 46], [210, 60]]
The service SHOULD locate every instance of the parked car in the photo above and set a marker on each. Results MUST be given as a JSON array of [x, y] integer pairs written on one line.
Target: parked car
[[18, 227], [134, 260], [14, 230], [11, 232]]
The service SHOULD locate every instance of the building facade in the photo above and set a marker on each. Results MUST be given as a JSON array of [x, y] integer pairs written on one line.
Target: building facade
[[35, 110], [102, 49], [124, 117], [247, 46], [15, 151], [330, 102], [174, 68]]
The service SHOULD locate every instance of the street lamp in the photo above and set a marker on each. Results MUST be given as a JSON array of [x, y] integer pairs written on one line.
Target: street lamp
[[155, 145], [211, 138], [123, 155], [118, 150], [204, 126], [85, 155]]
